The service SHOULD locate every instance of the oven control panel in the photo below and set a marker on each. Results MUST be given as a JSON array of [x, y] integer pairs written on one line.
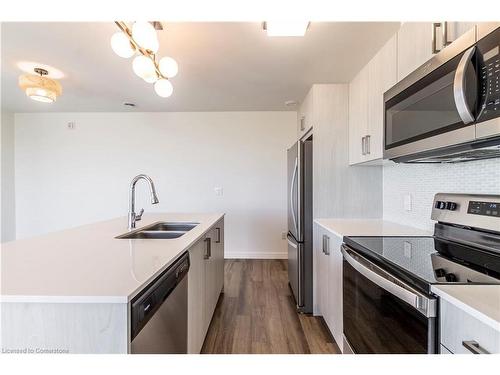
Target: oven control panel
[[476, 211], [484, 208]]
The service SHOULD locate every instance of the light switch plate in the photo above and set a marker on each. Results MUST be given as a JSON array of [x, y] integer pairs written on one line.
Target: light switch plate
[[219, 191]]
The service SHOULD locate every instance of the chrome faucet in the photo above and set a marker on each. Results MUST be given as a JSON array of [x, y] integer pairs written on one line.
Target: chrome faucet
[[132, 216]]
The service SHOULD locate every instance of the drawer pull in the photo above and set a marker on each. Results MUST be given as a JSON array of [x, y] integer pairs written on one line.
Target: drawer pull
[[474, 347]]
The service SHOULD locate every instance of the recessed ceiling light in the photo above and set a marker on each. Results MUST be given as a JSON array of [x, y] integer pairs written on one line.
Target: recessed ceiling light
[[286, 28]]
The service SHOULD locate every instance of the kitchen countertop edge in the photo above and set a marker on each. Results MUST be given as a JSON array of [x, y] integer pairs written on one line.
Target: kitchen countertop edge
[[111, 298], [368, 227], [462, 296]]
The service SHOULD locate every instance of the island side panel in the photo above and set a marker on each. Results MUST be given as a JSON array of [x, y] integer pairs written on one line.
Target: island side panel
[[64, 327]]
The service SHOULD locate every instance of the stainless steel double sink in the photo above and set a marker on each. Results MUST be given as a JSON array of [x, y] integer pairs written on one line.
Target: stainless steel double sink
[[160, 230]]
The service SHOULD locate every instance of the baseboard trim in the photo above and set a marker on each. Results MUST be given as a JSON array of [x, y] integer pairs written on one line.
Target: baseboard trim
[[255, 255]]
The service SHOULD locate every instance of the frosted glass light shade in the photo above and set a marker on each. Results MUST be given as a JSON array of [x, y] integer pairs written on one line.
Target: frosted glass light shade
[[144, 34], [151, 79], [164, 88], [144, 67], [168, 67], [121, 45], [41, 95], [41, 89]]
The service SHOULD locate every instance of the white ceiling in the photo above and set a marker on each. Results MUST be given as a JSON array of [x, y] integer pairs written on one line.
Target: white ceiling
[[222, 66]]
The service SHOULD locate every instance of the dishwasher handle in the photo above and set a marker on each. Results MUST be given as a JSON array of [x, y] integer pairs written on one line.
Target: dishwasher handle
[[148, 301]]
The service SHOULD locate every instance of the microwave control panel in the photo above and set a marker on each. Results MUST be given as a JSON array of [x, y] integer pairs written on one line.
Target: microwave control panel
[[489, 74]]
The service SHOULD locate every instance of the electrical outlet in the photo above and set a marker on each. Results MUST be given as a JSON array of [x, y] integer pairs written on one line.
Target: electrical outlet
[[407, 202], [71, 125]]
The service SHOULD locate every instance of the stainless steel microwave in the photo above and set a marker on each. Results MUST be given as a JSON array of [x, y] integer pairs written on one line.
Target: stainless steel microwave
[[448, 109]]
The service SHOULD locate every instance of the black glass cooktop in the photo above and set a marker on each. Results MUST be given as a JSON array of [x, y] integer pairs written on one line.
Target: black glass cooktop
[[424, 261]]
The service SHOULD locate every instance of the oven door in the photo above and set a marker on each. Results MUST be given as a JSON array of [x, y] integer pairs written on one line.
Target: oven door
[[436, 111], [383, 315]]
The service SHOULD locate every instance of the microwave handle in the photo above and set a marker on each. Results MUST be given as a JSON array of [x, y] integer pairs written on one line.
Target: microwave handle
[[459, 87], [424, 305]]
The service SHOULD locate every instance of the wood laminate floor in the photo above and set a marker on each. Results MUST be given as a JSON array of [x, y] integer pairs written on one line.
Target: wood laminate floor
[[256, 314]]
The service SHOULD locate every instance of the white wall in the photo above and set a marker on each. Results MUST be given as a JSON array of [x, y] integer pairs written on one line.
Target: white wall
[[8, 215], [65, 177], [423, 181]]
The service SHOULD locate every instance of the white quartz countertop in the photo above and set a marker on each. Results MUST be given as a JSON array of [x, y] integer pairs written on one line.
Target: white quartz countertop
[[480, 301], [369, 227], [88, 264]]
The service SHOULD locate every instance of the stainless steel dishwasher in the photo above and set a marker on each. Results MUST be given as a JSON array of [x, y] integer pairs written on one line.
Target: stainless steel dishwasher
[[159, 313]]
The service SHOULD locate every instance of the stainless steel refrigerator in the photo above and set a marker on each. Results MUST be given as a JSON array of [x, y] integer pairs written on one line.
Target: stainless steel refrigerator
[[300, 259]]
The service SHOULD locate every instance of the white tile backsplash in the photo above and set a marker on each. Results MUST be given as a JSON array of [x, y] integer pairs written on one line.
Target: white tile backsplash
[[421, 182]]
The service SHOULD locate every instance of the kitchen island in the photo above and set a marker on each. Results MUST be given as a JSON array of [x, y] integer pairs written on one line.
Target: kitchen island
[[70, 291]]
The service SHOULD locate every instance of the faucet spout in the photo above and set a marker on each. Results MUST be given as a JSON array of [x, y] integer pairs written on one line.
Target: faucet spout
[[132, 216]]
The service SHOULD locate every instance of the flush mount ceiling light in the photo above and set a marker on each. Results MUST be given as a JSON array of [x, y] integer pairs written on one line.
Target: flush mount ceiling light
[[141, 40], [285, 28], [40, 88]]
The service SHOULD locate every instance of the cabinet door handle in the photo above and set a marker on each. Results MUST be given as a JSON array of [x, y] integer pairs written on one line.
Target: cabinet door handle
[[363, 146], [208, 248], [326, 245], [435, 25], [367, 144], [446, 42], [323, 245], [218, 235], [474, 347], [302, 122]]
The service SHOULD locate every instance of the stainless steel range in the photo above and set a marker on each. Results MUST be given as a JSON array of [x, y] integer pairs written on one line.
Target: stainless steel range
[[388, 306]]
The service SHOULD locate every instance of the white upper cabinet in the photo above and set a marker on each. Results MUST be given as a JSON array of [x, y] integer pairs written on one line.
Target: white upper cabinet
[[305, 115], [382, 75], [415, 46], [419, 41], [358, 116], [484, 28], [366, 104], [455, 30]]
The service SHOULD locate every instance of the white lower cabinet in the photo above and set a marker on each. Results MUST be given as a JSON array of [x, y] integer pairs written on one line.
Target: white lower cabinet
[[196, 297], [462, 333], [205, 283], [321, 249], [328, 286]]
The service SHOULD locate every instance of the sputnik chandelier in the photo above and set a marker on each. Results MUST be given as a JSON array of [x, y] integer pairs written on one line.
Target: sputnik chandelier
[[141, 40]]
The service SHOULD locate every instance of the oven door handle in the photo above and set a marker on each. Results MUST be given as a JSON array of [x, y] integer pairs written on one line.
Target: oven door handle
[[423, 304], [459, 87]]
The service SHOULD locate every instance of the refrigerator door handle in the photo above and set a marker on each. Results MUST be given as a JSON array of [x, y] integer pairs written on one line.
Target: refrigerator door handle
[[291, 243], [294, 177]]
